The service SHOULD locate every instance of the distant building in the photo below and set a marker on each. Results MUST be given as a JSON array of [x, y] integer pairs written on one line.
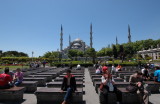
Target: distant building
[[153, 52]]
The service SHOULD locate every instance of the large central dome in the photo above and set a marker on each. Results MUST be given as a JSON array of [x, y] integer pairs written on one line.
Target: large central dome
[[77, 40]]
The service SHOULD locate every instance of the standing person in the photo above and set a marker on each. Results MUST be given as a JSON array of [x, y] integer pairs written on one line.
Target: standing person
[[69, 85], [44, 63], [157, 74], [137, 80], [18, 77], [5, 79], [113, 69]]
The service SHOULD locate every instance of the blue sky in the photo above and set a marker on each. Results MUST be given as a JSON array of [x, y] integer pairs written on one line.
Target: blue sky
[[34, 25]]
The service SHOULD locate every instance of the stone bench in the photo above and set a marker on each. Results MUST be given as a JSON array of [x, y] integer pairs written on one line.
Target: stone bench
[[41, 80], [126, 78], [117, 73], [61, 79], [117, 84], [14, 94], [55, 96], [112, 98], [76, 76], [129, 98], [58, 84], [152, 86], [54, 75], [118, 80], [48, 77], [31, 86], [121, 75]]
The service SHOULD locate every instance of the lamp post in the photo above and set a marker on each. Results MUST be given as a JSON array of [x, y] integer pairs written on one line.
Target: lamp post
[[32, 55]]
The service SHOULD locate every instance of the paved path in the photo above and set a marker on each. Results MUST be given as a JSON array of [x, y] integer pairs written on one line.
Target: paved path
[[91, 97], [154, 98]]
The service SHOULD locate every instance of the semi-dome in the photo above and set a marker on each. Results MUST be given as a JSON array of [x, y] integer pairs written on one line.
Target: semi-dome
[[76, 44]]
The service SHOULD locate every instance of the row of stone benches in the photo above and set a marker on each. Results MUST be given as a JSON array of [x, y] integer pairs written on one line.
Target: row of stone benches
[[15, 94], [52, 93], [121, 86]]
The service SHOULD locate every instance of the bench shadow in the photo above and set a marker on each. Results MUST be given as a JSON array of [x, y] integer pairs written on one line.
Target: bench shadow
[[6, 102]]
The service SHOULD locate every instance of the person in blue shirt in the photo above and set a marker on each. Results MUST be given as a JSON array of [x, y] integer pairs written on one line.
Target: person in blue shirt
[[157, 74]]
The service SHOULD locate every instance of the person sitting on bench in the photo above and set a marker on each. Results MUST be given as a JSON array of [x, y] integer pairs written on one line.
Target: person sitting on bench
[[157, 74], [137, 80], [118, 68], [18, 77], [145, 73], [5, 79], [78, 67], [109, 86], [69, 85]]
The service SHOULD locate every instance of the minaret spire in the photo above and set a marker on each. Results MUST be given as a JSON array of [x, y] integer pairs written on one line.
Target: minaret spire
[[61, 39], [129, 34], [69, 40], [91, 37], [116, 41]]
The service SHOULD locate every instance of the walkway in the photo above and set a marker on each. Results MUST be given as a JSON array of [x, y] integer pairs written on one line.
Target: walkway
[[91, 97]]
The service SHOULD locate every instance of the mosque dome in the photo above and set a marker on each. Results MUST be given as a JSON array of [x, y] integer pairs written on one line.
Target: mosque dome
[[78, 40]]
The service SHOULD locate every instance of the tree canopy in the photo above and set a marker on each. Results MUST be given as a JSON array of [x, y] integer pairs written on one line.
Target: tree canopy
[[14, 54]]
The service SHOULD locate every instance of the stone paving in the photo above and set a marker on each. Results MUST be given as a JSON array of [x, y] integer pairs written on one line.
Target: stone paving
[[91, 97]]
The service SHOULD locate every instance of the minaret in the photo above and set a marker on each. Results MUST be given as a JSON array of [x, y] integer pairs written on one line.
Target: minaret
[[91, 38], [69, 40], [116, 41], [61, 39], [129, 34]]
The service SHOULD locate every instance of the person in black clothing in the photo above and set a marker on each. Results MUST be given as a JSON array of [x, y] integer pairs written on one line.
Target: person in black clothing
[[69, 85]]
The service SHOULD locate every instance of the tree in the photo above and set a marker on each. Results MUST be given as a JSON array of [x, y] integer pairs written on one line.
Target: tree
[[51, 55], [121, 53], [72, 53], [14, 54], [114, 49], [80, 54], [92, 53]]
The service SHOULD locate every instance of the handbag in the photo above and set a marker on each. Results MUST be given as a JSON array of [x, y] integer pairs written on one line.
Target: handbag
[[101, 86], [102, 89], [132, 88]]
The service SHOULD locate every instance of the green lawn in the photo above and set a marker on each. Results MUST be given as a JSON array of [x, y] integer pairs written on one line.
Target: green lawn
[[12, 67]]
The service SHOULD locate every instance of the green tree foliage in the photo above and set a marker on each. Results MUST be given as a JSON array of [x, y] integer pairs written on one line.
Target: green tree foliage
[[75, 53], [114, 49], [14, 54], [128, 50], [51, 55], [91, 53], [80, 54]]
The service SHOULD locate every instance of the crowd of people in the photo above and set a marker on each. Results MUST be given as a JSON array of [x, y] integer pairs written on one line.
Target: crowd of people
[[101, 69], [8, 80], [136, 80], [37, 64]]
